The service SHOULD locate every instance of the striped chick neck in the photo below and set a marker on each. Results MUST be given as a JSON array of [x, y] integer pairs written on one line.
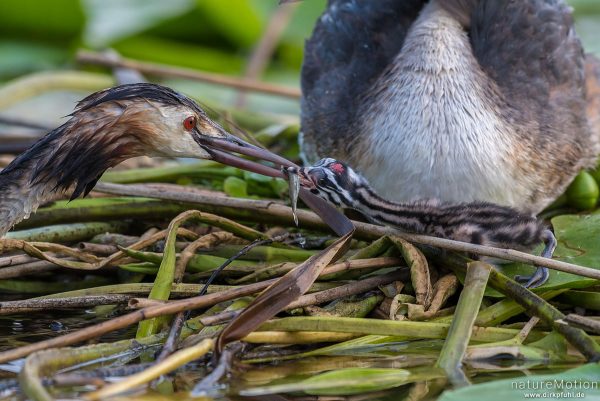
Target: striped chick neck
[[339, 184], [477, 222], [474, 222]]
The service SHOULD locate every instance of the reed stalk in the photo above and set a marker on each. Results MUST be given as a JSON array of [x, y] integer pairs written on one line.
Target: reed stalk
[[459, 335], [531, 303], [272, 212], [68, 232], [402, 328]]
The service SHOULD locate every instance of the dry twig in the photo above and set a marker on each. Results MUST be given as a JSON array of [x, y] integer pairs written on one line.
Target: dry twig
[[88, 57]]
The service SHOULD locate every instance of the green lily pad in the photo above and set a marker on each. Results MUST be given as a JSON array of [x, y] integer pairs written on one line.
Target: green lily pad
[[585, 299], [566, 385], [578, 243]]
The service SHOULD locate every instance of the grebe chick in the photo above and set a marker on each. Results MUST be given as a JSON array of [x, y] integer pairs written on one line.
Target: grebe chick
[[479, 223]]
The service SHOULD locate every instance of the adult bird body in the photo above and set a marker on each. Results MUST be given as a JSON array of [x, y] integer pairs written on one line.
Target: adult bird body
[[108, 127], [459, 100]]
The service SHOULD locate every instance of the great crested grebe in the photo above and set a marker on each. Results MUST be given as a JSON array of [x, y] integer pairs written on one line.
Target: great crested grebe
[[108, 127], [477, 222], [459, 100]]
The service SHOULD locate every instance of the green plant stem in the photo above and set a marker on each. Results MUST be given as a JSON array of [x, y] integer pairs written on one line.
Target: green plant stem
[[264, 253], [45, 363], [82, 210], [35, 84], [403, 328], [197, 263], [532, 304], [456, 343], [67, 232], [179, 289], [502, 310], [507, 308], [202, 170], [205, 262]]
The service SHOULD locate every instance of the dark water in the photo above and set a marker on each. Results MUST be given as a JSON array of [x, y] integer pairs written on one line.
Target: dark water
[[29, 328]]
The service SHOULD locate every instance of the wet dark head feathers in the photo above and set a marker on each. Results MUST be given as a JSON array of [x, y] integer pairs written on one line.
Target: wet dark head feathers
[[75, 155], [106, 128], [148, 91]]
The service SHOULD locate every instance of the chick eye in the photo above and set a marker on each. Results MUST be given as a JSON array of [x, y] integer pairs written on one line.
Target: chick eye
[[189, 123], [321, 182]]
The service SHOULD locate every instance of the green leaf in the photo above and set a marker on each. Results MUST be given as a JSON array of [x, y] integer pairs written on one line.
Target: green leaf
[[20, 56], [577, 237], [235, 187], [340, 382], [181, 54], [237, 20], [355, 381], [109, 20], [585, 299], [58, 20], [553, 342], [161, 290], [572, 381], [583, 192]]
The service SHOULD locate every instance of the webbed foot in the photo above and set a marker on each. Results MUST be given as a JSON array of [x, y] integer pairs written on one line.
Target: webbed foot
[[537, 279], [541, 275]]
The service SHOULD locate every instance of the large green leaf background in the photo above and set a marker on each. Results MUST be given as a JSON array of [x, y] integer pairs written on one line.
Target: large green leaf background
[[521, 388], [578, 243]]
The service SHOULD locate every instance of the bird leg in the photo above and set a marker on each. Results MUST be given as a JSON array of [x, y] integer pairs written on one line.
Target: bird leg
[[540, 276]]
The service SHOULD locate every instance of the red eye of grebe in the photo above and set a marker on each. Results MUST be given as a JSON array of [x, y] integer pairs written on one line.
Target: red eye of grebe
[[189, 123]]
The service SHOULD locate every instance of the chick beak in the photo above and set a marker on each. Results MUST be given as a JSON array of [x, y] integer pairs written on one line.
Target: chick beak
[[307, 179]]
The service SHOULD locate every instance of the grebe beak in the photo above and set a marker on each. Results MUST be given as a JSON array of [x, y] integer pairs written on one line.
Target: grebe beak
[[221, 149]]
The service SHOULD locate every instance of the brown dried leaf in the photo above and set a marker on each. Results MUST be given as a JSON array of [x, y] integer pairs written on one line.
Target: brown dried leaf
[[296, 282], [287, 289], [419, 270], [443, 289]]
